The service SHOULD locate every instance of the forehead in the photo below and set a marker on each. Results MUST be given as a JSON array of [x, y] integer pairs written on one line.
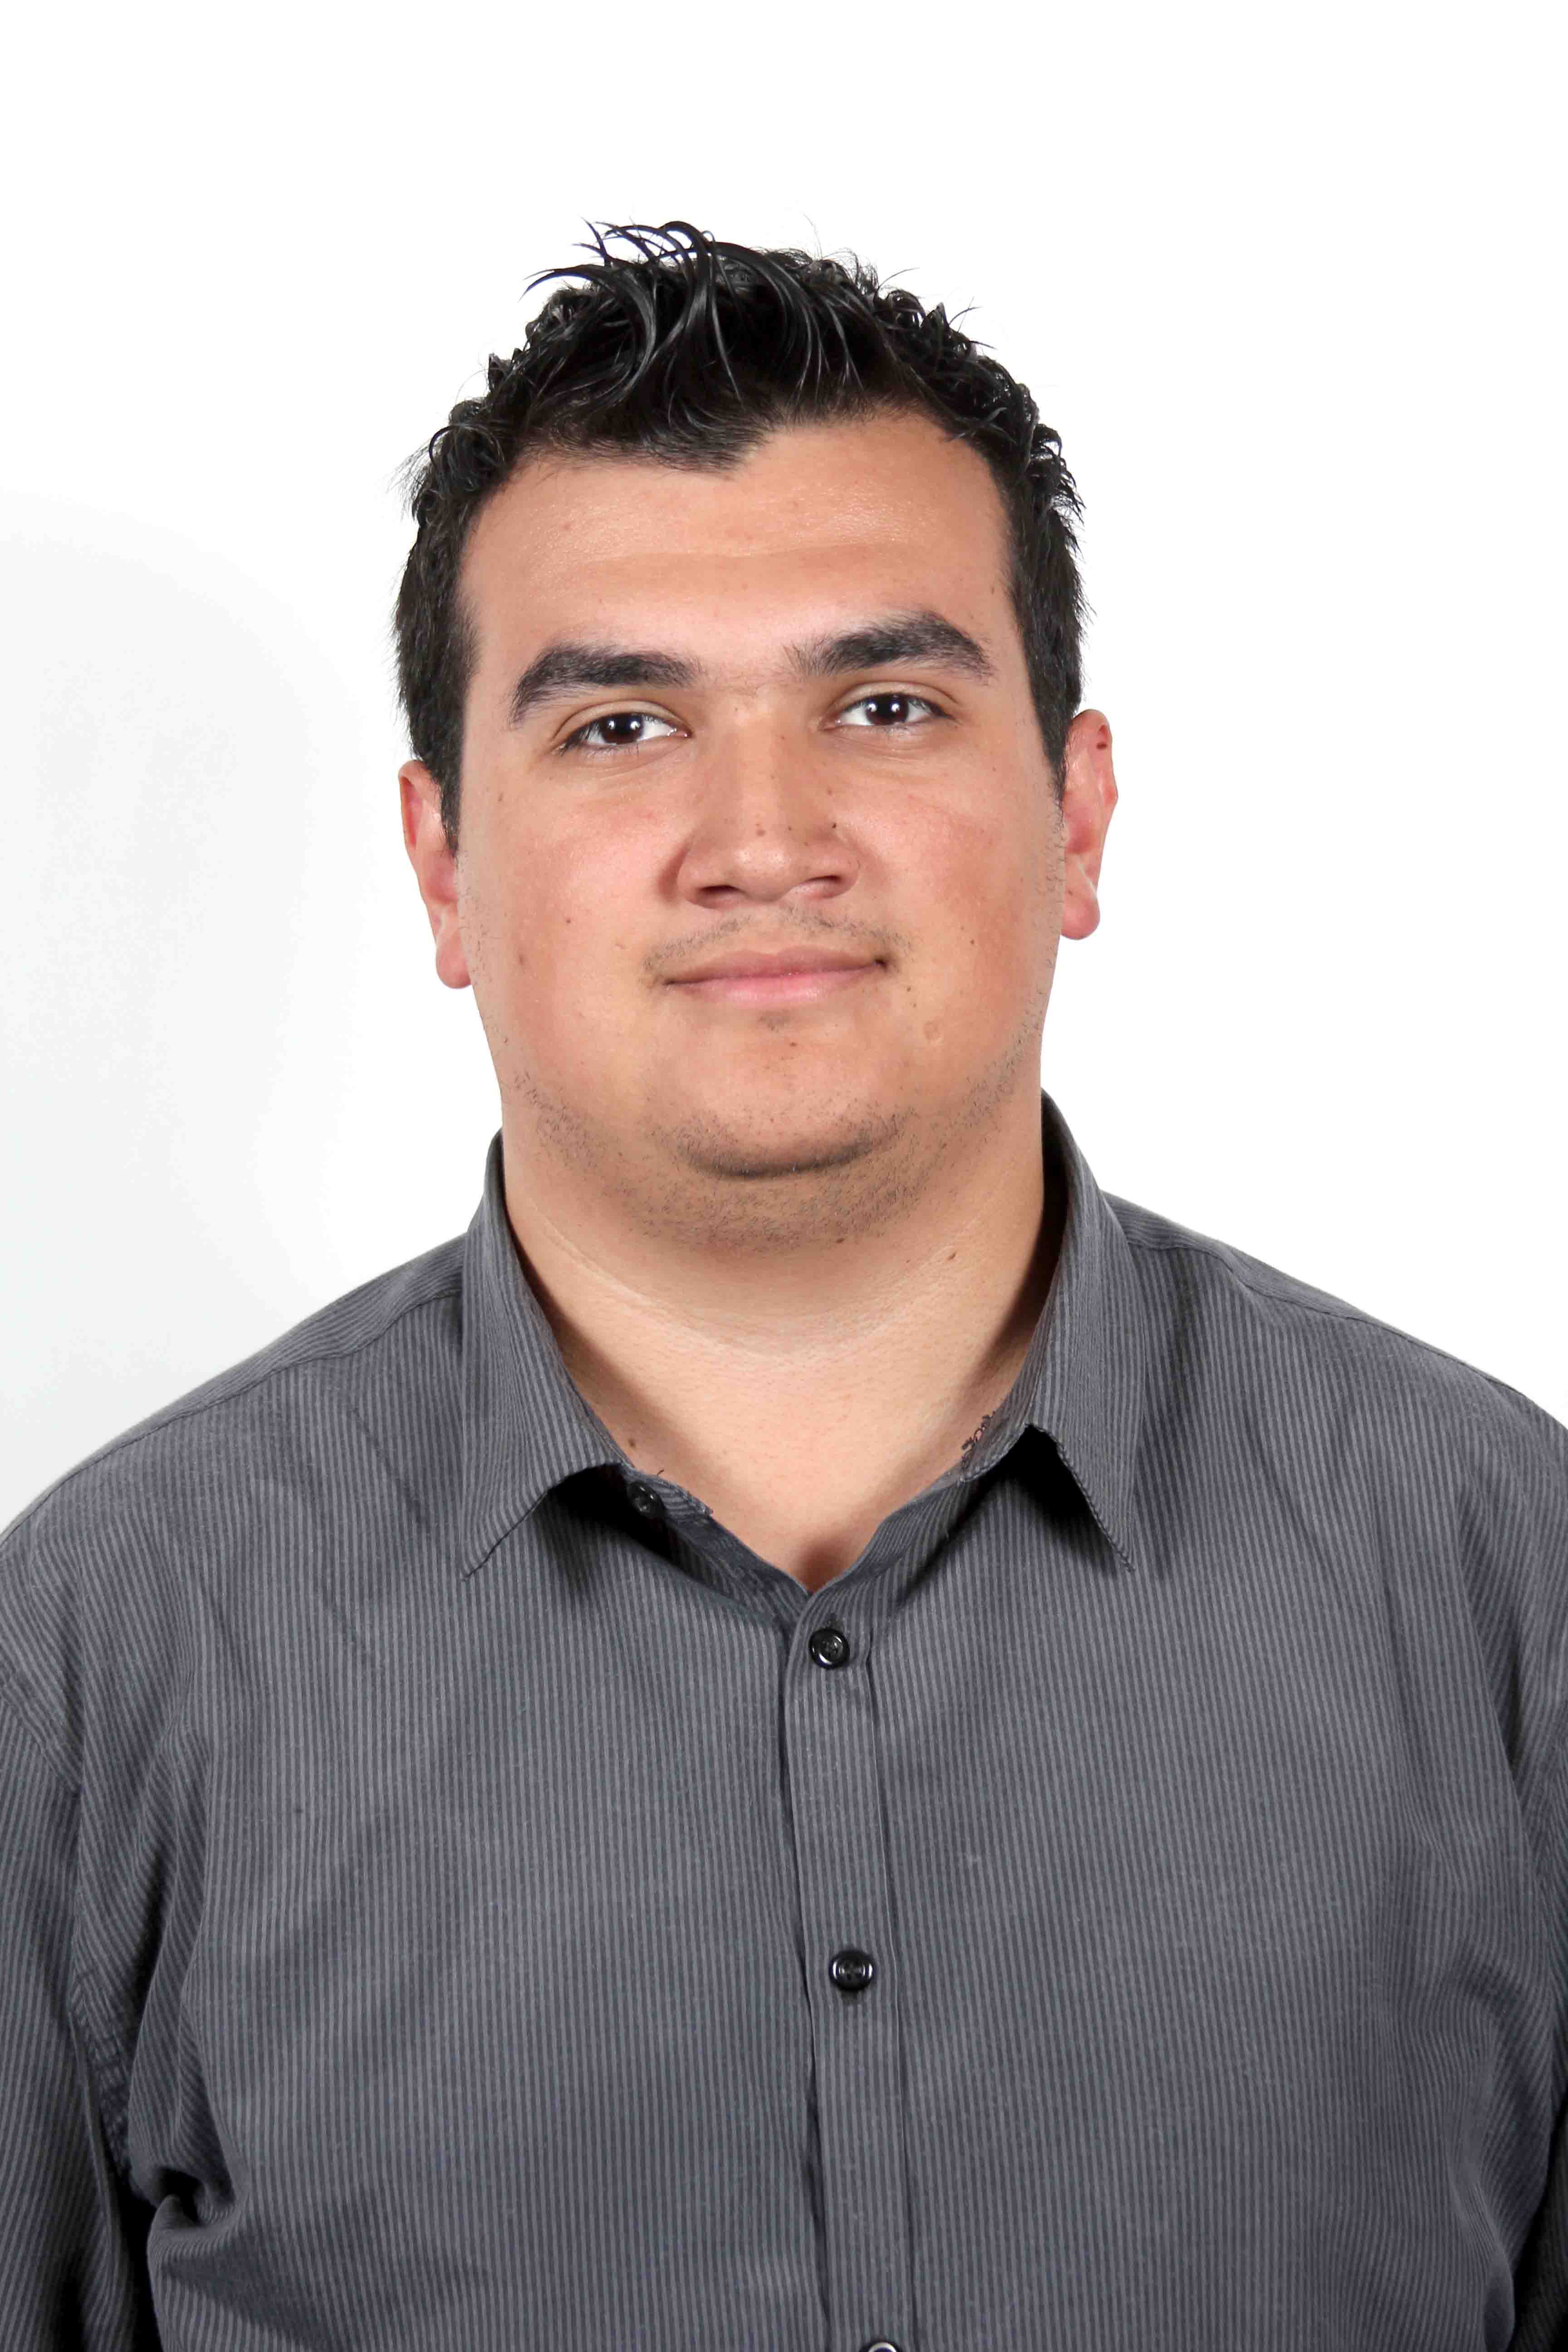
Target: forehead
[[888, 507]]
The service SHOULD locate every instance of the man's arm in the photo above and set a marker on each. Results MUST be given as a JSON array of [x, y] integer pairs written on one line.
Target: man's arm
[[1541, 2281], [1541, 2274], [71, 2265]]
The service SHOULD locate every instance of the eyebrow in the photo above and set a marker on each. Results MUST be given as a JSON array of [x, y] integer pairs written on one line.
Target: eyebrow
[[569, 667]]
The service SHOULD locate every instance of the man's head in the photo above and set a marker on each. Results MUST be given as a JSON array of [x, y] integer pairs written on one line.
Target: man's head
[[689, 350], [744, 616]]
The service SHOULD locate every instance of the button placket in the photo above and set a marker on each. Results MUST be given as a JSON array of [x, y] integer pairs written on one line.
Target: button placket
[[832, 1750]]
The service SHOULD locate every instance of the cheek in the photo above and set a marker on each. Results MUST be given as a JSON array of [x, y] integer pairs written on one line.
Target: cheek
[[993, 935], [563, 945], [988, 884]]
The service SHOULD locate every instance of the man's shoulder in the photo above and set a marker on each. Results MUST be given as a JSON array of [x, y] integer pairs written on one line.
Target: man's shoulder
[[194, 1480], [1223, 1318], [346, 1348]]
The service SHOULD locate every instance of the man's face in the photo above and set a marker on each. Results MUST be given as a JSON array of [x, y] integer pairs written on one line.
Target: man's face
[[741, 782]]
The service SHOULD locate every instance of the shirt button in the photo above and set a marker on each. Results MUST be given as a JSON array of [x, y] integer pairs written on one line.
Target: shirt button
[[883, 2343], [852, 1970], [828, 1646], [643, 1498]]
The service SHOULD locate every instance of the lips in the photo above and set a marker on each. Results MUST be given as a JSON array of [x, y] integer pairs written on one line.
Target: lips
[[770, 967], [780, 984]]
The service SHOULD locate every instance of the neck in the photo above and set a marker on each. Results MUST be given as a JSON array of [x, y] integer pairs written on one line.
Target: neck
[[880, 1344]]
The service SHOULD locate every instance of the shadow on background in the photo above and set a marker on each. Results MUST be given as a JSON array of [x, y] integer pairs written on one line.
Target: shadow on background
[[172, 734]]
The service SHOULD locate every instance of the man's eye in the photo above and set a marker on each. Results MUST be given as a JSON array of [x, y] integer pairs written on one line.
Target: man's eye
[[898, 707], [623, 729]]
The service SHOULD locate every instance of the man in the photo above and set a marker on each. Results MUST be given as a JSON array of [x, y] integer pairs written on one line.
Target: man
[[819, 1735]]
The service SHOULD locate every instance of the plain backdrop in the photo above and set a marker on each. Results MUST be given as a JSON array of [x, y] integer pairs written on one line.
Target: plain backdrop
[[1288, 282]]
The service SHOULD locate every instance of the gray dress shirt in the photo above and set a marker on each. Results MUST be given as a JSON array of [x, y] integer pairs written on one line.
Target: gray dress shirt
[[454, 1894]]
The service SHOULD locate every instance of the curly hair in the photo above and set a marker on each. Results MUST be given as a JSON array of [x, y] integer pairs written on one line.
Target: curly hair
[[691, 349]]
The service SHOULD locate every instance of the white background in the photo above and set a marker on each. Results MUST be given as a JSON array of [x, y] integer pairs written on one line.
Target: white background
[[1288, 281]]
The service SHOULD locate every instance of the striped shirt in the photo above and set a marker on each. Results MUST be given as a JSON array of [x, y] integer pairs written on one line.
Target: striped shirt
[[454, 1894]]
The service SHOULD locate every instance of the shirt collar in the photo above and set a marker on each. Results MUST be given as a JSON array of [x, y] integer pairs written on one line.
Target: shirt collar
[[526, 1427], [1083, 1381]]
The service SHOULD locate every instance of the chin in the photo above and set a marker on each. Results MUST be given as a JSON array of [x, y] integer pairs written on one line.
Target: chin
[[734, 1136]]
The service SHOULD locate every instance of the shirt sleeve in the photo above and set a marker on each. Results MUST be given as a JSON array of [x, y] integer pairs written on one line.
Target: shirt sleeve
[[1541, 2274], [72, 2265], [1540, 2282]]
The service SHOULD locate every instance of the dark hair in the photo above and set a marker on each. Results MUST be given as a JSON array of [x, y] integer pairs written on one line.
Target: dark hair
[[690, 351]]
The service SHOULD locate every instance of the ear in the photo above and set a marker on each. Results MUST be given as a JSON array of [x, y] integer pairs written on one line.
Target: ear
[[1089, 796], [435, 869]]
